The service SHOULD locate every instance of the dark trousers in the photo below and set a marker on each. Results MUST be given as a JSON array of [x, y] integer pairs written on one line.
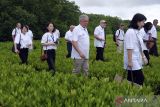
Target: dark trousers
[[99, 55], [137, 76], [154, 49], [24, 55], [69, 49], [146, 53], [51, 56]]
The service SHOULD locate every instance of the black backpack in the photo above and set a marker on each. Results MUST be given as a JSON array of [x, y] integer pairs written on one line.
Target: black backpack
[[114, 35]]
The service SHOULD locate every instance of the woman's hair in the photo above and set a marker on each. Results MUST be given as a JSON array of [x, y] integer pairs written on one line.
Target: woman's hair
[[54, 29], [25, 27], [136, 18], [148, 26]]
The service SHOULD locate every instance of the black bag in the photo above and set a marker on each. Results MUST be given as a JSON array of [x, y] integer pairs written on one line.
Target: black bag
[[17, 45]]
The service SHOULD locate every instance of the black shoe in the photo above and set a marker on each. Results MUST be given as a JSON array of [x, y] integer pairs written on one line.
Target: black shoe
[[68, 56]]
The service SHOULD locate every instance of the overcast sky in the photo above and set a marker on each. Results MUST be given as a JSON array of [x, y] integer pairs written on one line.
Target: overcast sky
[[125, 9]]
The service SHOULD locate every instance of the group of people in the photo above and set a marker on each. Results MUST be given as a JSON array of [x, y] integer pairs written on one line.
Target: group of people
[[139, 40], [22, 38]]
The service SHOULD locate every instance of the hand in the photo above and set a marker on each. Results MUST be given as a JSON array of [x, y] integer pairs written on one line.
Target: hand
[[29, 45], [145, 60], [117, 43], [130, 64], [51, 43], [17, 51], [82, 56], [102, 39]]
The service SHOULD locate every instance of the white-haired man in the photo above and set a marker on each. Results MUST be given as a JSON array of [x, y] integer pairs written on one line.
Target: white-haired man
[[153, 31], [99, 41], [81, 43]]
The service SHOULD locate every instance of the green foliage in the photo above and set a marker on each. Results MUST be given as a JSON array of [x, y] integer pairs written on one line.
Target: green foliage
[[37, 13], [158, 29], [112, 22], [34, 86]]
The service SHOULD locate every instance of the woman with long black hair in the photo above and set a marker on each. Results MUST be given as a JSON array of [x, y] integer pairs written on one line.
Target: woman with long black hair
[[133, 50]]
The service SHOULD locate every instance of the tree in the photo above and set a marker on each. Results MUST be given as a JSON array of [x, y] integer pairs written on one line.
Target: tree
[[36, 13]]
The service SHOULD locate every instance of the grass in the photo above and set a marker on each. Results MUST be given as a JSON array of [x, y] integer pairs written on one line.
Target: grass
[[34, 86]]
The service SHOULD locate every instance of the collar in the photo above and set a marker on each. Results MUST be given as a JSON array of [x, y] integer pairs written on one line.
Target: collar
[[17, 28], [101, 27], [83, 28]]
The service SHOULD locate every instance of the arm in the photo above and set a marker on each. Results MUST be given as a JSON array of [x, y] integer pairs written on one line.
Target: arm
[[48, 44], [129, 53], [13, 37], [129, 43], [45, 42], [13, 34], [117, 40], [66, 38], [117, 35], [96, 35], [75, 45], [16, 41], [98, 38]]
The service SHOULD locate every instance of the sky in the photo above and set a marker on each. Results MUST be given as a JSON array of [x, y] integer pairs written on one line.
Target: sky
[[125, 9]]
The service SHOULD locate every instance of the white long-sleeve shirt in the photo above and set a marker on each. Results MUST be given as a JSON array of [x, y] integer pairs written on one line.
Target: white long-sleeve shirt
[[23, 39]]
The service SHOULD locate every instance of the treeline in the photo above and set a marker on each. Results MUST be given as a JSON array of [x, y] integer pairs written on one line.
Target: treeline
[[36, 13]]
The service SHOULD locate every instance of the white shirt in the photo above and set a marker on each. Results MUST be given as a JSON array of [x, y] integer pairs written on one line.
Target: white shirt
[[30, 34], [24, 40], [68, 35], [132, 41], [49, 37], [120, 34], [16, 31], [80, 35], [99, 31], [145, 36], [153, 32]]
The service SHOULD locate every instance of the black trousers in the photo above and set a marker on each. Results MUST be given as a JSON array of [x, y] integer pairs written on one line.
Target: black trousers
[[69, 49], [24, 55], [154, 49], [146, 53], [99, 55], [137, 75], [51, 56]]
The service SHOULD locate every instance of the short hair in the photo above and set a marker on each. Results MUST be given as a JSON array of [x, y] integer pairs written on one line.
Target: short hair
[[102, 21], [81, 17], [155, 20], [136, 18], [72, 26], [147, 26], [18, 23], [25, 27]]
